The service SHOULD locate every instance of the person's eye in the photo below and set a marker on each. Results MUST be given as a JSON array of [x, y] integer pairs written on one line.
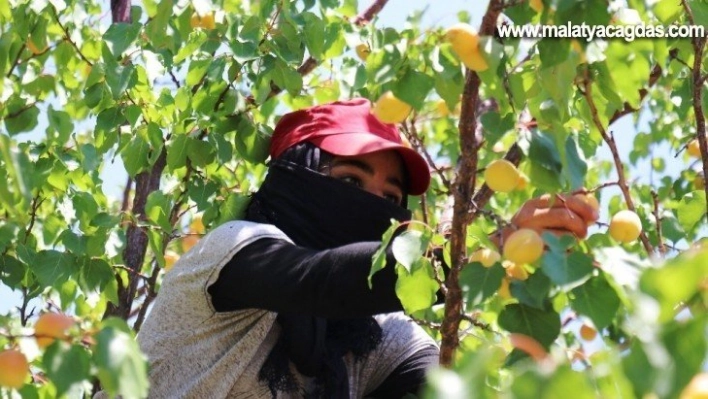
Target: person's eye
[[351, 180], [396, 199]]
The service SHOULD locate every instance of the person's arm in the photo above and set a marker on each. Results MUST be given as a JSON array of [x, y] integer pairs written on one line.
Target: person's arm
[[279, 276]]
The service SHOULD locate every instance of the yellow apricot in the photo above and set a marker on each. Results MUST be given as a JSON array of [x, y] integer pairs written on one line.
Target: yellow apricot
[[523, 246], [362, 51], [14, 369], [51, 326], [515, 271], [197, 226], [389, 109], [625, 226], [587, 332], [188, 241], [487, 257], [204, 21], [536, 5], [504, 291], [465, 44], [171, 257], [501, 175], [694, 148], [697, 388]]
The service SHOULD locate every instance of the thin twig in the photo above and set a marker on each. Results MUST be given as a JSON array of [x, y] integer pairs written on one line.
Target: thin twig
[[67, 37], [411, 133], [698, 47], [660, 240], [619, 166]]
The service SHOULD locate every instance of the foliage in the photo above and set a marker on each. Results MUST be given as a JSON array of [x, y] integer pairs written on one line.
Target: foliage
[[184, 107]]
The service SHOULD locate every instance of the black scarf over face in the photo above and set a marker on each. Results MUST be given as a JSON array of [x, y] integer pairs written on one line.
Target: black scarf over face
[[318, 212]]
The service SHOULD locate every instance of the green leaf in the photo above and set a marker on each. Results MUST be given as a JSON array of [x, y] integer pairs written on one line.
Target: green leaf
[[676, 282], [596, 299], [639, 370], [378, 260], [122, 369], [533, 291], [252, 143], [668, 11], [416, 289], [120, 36], [287, 78], [195, 40], [479, 283], [197, 70], [21, 118], [314, 35], [575, 166], [495, 126], [120, 78], [234, 207], [177, 152], [541, 325], [413, 87], [409, 247], [158, 208], [691, 209], [545, 163], [686, 343], [561, 267], [66, 365], [200, 152], [95, 274], [135, 155], [60, 122], [53, 268], [12, 271]]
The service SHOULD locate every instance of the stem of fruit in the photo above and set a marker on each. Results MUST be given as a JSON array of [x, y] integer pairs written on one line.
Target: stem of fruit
[[463, 189]]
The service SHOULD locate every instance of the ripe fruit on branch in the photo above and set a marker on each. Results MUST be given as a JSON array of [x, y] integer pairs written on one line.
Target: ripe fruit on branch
[[501, 175], [50, 326], [697, 388], [362, 51], [487, 257], [202, 21], [694, 148], [515, 271], [523, 246], [504, 291], [14, 369], [465, 43], [625, 226], [587, 333], [536, 5], [591, 200], [171, 257], [389, 109]]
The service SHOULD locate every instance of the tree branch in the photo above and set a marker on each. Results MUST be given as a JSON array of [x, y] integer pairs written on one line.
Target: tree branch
[[660, 241], [120, 11], [698, 47], [462, 189], [366, 17], [619, 166], [67, 37]]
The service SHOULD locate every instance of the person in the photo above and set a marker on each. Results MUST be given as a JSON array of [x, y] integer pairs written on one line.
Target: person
[[278, 304]]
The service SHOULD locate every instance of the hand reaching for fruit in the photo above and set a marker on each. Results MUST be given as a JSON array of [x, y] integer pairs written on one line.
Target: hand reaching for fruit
[[566, 214]]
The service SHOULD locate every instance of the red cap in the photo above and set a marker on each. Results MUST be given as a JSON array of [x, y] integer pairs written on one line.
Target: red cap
[[348, 128]]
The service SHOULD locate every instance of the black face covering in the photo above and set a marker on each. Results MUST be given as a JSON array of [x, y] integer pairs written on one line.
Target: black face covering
[[318, 212]]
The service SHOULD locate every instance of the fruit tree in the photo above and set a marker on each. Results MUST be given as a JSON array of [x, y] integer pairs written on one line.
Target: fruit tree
[[173, 103]]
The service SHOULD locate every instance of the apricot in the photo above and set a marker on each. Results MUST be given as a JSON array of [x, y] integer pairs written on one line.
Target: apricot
[[14, 369], [515, 271], [487, 257], [465, 44], [51, 326], [694, 148], [587, 332], [523, 246], [697, 388], [501, 175], [389, 109], [363, 51], [625, 226]]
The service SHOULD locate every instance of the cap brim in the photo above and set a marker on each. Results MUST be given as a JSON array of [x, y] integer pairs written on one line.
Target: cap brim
[[351, 144]]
